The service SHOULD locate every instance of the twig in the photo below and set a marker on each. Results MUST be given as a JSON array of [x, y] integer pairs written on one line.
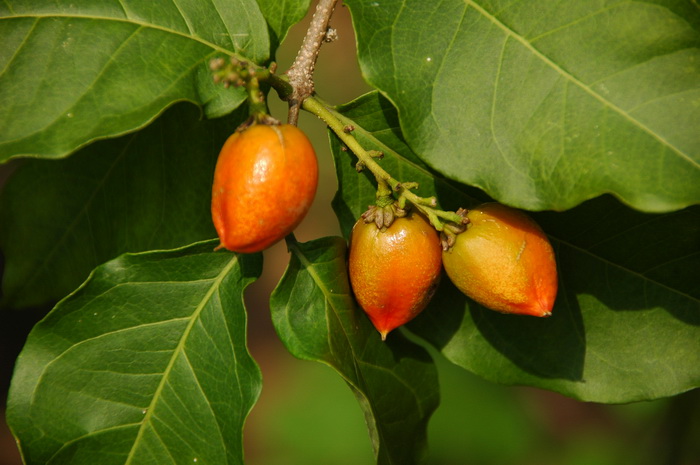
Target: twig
[[427, 205], [301, 72]]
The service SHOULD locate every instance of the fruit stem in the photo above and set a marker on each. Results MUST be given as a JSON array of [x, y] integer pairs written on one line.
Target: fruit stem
[[313, 105], [426, 205], [384, 194], [256, 99], [237, 72], [280, 83]]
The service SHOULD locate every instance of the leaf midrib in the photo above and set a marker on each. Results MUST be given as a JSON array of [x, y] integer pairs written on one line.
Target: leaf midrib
[[565, 74], [135, 22], [216, 282]]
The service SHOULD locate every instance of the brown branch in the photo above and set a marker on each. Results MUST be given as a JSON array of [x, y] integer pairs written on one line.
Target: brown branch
[[301, 72]]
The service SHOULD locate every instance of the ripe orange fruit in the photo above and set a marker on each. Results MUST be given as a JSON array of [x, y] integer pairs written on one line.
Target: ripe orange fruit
[[264, 183], [394, 272], [504, 261]]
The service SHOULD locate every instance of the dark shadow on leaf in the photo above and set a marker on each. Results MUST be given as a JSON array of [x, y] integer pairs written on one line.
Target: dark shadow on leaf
[[630, 260], [390, 115], [552, 347], [442, 319], [401, 347]]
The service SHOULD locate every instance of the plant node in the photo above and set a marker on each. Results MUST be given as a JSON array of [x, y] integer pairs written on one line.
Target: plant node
[[383, 216], [406, 186], [240, 73], [450, 230], [389, 190]]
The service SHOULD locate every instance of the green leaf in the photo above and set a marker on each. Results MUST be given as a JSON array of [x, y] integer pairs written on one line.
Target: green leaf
[[281, 15], [145, 363], [545, 104], [376, 127], [76, 71], [626, 324], [395, 382], [148, 190]]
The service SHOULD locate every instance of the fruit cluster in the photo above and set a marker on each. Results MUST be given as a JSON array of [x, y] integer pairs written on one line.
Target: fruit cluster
[[265, 181], [502, 260]]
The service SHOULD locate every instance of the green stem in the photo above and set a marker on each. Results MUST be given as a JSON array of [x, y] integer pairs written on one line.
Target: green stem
[[283, 88], [314, 106], [384, 195], [256, 101], [424, 205]]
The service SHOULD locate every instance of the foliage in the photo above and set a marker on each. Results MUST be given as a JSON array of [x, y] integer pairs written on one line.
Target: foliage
[[584, 113]]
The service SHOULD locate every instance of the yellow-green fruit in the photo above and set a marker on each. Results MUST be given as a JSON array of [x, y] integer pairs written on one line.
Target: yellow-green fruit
[[504, 261]]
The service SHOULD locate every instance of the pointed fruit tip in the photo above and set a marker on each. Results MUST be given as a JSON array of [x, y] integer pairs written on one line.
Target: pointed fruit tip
[[542, 311]]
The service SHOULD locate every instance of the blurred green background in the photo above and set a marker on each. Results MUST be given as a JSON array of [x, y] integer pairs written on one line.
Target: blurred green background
[[306, 415]]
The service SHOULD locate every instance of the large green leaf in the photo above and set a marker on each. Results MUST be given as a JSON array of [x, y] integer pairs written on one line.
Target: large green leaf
[[626, 324], [148, 190], [75, 71], [395, 382], [545, 104], [146, 363]]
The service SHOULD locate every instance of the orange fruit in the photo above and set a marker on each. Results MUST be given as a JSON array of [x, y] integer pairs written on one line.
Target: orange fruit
[[504, 261], [264, 183], [394, 271]]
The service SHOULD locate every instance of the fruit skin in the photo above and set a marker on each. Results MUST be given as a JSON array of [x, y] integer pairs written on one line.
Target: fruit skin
[[504, 261], [264, 183], [394, 272]]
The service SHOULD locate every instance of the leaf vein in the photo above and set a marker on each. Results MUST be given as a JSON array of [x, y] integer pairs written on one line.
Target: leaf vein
[[184, 18], [580, 84], [179, 349], [21, 46], [204, 395]]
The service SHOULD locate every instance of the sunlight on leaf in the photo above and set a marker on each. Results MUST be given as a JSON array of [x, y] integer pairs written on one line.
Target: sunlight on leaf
[[77, 71], [542, 104], [145, 363]]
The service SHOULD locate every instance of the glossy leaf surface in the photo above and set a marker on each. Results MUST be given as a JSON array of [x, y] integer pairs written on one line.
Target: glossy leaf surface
[[626, 323], [145, 363], [395, 381], [545, 104], [76, 71]]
